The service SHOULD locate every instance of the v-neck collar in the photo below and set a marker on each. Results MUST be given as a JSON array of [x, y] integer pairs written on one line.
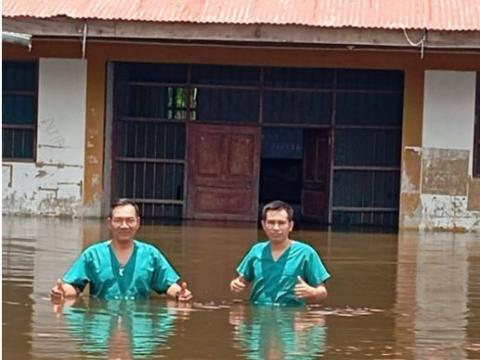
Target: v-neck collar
[[285, 251], [117, 267]]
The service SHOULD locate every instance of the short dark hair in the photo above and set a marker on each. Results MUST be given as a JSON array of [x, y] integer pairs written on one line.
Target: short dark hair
[[277, 205], [124, 202]]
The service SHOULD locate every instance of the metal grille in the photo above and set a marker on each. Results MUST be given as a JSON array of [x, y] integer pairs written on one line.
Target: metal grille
[[367, 128], [364, 217], [225, 93], [227, 105], [362, 109], [298, 96], [149, 137]]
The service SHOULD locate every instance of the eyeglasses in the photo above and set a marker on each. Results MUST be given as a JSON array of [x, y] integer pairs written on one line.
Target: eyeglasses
[[120, 221]]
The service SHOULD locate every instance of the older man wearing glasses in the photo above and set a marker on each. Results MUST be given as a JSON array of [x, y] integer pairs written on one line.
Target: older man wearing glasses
[[121, 268]]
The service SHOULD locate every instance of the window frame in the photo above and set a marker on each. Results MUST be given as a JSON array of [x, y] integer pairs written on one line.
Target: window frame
[[34, 126], [476, 129]]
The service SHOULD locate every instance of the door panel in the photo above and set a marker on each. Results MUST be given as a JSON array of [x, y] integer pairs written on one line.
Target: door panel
[[316, 175], [223, 169], [210, 163]]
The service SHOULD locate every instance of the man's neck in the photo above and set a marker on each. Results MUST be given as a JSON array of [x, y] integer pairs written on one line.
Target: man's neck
[[278, 246], [122, 250], [122, 246]]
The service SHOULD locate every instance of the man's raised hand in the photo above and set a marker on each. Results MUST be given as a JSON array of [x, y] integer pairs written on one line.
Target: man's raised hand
[[238, 284], [58, 291], [302, 289], [184, 294]]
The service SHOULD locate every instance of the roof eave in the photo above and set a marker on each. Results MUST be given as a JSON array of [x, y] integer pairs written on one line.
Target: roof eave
[[261, 33]]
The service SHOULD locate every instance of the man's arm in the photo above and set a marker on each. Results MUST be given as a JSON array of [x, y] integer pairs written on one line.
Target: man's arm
[[314, 294], [73, 281], [244, 271]]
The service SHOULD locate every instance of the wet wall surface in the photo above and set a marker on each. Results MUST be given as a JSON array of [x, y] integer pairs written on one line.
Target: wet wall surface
[[391, 296]]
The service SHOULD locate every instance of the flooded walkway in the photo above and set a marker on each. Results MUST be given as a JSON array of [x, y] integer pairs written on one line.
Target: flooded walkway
[[391, 296]]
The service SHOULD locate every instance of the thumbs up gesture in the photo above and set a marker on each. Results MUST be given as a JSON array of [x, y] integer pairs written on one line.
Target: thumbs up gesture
[[58, 291], [312, 293], [302, 289], [62, 291], [238, 284], [184, 294]]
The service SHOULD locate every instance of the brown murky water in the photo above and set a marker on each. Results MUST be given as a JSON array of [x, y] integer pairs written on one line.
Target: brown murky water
[[407, 296]]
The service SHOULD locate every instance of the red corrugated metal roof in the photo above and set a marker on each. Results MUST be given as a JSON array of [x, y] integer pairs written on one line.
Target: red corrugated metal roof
[[452, 15]]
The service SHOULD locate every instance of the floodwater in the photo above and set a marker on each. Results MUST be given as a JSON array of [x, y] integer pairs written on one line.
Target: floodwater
[[391, 296]]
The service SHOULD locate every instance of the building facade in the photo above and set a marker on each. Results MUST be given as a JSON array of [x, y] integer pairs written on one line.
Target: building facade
[[353, 127]]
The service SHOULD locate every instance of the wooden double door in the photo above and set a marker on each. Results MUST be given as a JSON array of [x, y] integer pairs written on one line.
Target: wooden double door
[[224, 167]]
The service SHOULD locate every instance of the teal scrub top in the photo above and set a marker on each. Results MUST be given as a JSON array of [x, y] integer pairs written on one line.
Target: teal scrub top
[[273, 281], [146, 270]]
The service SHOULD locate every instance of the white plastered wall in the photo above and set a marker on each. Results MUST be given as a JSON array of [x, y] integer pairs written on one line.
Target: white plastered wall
[[52, 185], [449, 111], [448, 124]]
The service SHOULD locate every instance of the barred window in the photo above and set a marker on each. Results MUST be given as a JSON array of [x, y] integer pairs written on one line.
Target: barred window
[[19, 110]]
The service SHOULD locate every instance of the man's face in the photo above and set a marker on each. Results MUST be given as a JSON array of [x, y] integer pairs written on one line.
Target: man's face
[[277, 226], [124, 223]]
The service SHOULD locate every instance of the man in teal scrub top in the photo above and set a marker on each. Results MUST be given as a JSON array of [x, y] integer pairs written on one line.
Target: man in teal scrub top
[[282, 271], [121, 268]]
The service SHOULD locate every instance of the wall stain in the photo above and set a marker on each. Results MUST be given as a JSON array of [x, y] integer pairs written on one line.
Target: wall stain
[[52, 146], [41, 164], [448, 198], [92, 159], [61, 207], [444, 171], [473, 194], [10, 173], [41, 174], [53, 133]]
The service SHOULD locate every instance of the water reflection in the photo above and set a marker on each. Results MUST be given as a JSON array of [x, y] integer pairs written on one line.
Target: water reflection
[[433, 293], [265, 332], [407, 296], [119, 329]]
